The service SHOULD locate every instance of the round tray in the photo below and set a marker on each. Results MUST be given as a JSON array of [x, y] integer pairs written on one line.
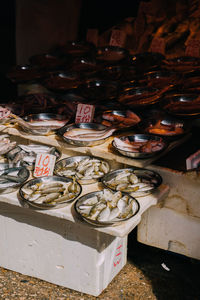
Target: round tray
[[144, 139], [43, 119], [121, 180], [49, 182], [127, 212], [81, 165], [79, 141]]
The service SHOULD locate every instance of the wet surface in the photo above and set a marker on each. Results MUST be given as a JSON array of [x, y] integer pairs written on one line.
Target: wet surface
[[150, 273]]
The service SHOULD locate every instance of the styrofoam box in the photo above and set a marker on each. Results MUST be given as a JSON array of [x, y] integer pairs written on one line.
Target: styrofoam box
[[170, 230], [59, 251], [174, 223]]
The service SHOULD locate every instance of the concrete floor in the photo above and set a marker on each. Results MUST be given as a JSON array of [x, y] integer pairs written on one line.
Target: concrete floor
[[150, 273]]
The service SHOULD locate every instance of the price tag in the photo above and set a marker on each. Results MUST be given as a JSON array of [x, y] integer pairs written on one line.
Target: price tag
[[84, 113], [158, 45], [118, 38], [92, 36], [4, 112], [193, 48], [44, 165], [193, 161]]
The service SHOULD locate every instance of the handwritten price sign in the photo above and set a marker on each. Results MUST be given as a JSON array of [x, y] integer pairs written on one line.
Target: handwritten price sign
[[84, 113], [4, 112], [44, 165], [118, 38]]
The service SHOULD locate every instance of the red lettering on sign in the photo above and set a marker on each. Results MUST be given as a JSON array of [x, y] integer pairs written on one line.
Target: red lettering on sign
[[84, 113], [44, 165]]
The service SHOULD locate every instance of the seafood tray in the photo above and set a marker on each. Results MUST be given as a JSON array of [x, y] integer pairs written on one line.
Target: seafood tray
[[140, 145], [86, 169], [25, 155], [41, 124], [50, 192], [86, 134], [106, 207], [12, 178], [135, 181], [119, 118]]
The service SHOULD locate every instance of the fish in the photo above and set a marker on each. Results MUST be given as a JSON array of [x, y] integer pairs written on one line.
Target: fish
[[88, 134], [6, 144], [46, 193], [85, 169], [107, 206], [129, 182]]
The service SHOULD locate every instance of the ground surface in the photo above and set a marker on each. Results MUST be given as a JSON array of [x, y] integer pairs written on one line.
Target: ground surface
[[150, 273]]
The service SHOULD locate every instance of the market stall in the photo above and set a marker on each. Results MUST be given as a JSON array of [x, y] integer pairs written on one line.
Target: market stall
[[119, 127]]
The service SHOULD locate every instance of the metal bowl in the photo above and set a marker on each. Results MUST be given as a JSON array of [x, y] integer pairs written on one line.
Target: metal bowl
[[43, 117], [182, 105], [61, 82], [143, 175], [80, 142], [166, 126], [98, 90], [48, 180], [66, 164], [80, 203], [21, 174], [141, 152], [111, 54], [119, 118]]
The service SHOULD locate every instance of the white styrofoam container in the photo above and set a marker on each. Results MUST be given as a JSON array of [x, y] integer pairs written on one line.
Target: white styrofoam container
[[59, 251], [170, 230], [174, 223]]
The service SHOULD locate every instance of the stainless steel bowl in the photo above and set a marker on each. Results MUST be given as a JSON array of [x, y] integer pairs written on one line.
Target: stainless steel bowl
[[146, 138], [66, 162], [48, 180], [42, 117], [116, 221], [143, 175], [83, 143], [16, 176]]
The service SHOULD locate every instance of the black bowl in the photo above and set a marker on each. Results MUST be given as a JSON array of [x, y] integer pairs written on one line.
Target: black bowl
[[98, 90]]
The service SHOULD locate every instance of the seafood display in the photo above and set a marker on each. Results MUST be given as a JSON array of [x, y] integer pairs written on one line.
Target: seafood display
[[41, 124], [25, 155], [6, 144], [137, 182], [50, 192], [85, 169], [86, 134], [139, 145], [106, 207], [12, 178], [165, 128], [119, 119], [182, 105]]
